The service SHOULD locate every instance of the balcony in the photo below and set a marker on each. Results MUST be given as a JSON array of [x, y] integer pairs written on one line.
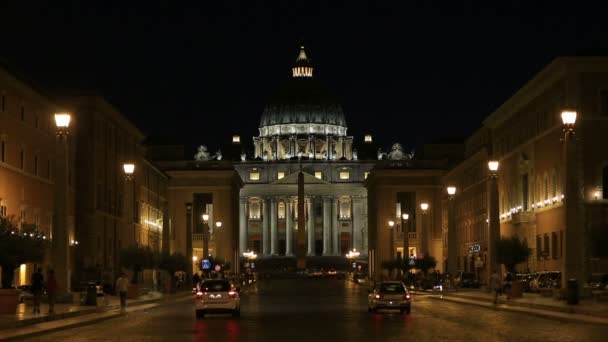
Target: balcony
[[523, 217]]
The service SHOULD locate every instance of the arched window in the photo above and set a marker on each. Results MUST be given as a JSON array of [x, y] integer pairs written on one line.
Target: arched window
[[546, 189], [282, 210], [254, 210], [554, 184], [345, 208]]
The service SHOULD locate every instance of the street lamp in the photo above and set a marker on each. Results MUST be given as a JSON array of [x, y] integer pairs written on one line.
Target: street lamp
[[575, 254], [404, 226], [194, 258], [205, 218], [391, 224], [452, 255], [494, 218], [62, 121], [129, 169], [61, 256], [424, 206]]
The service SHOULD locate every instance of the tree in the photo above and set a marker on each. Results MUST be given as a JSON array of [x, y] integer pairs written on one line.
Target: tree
[[174, 262], [19, 246], [137, 258], [426, 263], [511, 251]]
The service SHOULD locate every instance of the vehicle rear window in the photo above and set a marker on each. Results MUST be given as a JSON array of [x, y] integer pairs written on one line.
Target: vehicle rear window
[[392, 288], [216, 286]]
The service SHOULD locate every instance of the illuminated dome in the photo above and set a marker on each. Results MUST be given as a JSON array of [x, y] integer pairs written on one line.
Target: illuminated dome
[[303, 106]]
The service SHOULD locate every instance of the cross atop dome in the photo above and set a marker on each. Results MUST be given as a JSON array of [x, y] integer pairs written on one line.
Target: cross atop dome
[[303, 67]]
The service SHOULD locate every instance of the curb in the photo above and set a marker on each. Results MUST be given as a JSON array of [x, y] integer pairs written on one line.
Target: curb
[[556, 315], [33, 330], [570, 310]]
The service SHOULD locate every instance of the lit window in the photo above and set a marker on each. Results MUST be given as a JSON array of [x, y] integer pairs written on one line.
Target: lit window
[[344, 175], [2, 209], [254, 175], [281, 210], [319, 174], [236, 139], [344, 208], [368, 138], [254, 210], [366, 174], [280, 175]]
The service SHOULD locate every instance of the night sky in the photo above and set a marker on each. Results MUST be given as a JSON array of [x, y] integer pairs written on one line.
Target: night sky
[[201, 71]]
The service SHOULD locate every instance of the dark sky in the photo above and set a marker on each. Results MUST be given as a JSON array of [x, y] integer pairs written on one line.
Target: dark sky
[[411, 71]]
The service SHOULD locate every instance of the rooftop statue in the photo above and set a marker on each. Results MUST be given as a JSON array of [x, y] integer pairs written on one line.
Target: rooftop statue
[[355, 154], [202, 154], [397, 153], [243, 157], [218, 155]]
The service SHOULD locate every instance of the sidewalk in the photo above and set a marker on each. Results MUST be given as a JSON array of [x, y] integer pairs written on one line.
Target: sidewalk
[[588, 310], [25, 313]]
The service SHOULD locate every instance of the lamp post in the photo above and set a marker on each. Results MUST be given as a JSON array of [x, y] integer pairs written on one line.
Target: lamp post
[[405, 217], [574, 247], [205, 218], [494, 218], [60, 253], [129, 172], [452, 255], [391, 224], [424, 206]]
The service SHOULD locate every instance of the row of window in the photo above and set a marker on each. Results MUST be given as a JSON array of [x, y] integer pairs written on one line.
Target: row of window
[[254, 174], [22, 113], [22, 160], [255, 209], [549, 245]]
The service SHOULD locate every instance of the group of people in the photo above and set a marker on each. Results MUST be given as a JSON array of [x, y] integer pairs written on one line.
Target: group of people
[[39, 285]]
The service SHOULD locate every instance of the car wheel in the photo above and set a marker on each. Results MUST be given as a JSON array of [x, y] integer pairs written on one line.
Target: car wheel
[[236, 313], [200, 314]]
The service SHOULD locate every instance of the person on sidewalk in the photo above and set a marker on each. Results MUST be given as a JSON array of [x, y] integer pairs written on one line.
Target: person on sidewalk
[[51, 290], [37, 288], [495, 285], [122, 285], [508, 284]]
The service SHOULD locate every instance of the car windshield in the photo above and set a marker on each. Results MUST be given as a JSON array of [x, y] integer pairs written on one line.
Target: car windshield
[[215, 286], [392, 288]]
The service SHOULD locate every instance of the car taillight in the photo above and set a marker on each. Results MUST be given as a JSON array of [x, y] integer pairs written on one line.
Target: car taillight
[[378, 296], [232, 294], [407, 296], [199, 294]]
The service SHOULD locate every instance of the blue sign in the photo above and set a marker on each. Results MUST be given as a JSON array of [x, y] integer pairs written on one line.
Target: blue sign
[[206, 264], [474, 249]]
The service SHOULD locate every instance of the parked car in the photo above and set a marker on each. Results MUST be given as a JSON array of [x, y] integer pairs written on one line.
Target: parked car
[[525, 279], [598, 281], [466, 280], [389, 295], [546, 280], [217, 296]]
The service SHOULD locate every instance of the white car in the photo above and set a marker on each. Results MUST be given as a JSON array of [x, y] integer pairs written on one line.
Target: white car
[[217, 296], [389, 295]]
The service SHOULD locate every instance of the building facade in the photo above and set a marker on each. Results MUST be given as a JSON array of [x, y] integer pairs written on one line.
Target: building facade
[[526, 135]]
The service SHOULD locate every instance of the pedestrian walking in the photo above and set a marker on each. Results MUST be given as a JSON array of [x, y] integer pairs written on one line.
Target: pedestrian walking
[[508, 284], [37, 288], [122, 285], [51, 290], [495, 285]]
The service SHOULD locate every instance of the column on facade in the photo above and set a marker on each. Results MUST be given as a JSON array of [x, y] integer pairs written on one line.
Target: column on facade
[[335, 239], [327, 147], [288, 227], [266, 227], [274, 231], [311, 226], [242, 225], [357, 223], [326, 225], [452, 245]]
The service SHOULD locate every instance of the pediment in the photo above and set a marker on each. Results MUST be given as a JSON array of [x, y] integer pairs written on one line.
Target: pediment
[[293, 179]]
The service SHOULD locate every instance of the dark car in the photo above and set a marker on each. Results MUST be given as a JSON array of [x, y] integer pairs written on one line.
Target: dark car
[[525, 279], [467, 280], [598, 281]]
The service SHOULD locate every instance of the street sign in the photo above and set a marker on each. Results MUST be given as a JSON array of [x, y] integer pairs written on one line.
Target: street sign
[[206, 264], [474, 248]]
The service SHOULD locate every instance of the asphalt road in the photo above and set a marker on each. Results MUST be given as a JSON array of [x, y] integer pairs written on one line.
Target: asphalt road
[[328, 310]]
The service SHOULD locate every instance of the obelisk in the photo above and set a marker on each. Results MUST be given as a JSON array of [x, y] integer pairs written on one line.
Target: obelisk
[[301, 234]]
